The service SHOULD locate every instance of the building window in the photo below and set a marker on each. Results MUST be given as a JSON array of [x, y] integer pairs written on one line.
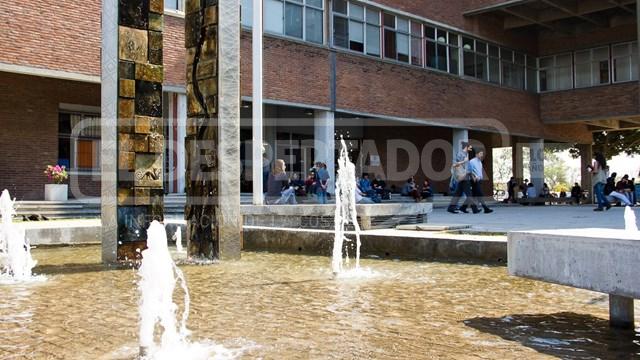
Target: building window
[[174, 5], [532, 77], [246, 13], [302, 19], [555, 72], [79, 141], [592, 67], [494, 64], [475, 58], [396, 38], [441, 49], [625, 62], [513, 69]]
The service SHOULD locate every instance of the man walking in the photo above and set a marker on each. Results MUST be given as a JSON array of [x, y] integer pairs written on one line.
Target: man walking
[[460, 173], [477, 179]]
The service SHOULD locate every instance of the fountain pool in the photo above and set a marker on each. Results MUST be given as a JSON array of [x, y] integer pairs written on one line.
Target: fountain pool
[[290, 307]]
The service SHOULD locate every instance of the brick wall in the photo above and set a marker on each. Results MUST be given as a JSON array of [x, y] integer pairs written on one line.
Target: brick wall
[[591, 103], [173, 51], [29, 137]]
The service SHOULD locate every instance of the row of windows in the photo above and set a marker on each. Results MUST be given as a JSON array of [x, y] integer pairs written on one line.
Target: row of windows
[[591, 67], [372, 32]]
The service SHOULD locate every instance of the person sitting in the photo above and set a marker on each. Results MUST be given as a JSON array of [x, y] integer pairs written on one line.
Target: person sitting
[[532, 193], [380, 187], [361, 198], [563, 194], [426, 192], [279, 190], [618, 194], [546, 192], [310, 182], [298, 185], [410, 189], [631, 191], [576, 193], [365, 185]]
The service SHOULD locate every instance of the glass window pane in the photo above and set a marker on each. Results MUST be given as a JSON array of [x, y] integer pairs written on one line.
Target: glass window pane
[[531, 61], [622, 69], [532, 80], [403, 47], [453, 60], [430, 54], [416, 29], [583, 74], [356, 36], [506, 54], [467, 43], [481, 47], [563, 60], [601, 72], [373, 40], [494, 70], [316, 3], [172, 4], [246, 12], [469, 63], [373, 17], [313, 25], [441, 36], [416, 51], [563, 78], [620, 50], [340, 32], [389, 44], [273, 16], [583, 56], [429, 32], [453, 39], [546, 62], [601, 53], [403, 25], [389, 21], [519, 58], [356, 11], [493, 51], [340, 6], [543, 74], [481, 67], [293, 20], [442, 57]]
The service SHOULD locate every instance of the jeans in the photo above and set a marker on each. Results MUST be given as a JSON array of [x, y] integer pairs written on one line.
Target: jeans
[[462, 187], [288, 197], [599, 191], [322, 196]]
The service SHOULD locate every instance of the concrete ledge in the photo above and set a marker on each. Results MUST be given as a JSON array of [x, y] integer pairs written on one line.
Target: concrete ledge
[[63, 232], [376, 243], [601, 260]]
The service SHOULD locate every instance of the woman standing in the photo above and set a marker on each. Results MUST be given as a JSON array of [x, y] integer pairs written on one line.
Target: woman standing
[[599, 172]]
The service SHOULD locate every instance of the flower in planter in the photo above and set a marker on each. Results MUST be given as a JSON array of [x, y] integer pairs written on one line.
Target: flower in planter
[[56, 174]]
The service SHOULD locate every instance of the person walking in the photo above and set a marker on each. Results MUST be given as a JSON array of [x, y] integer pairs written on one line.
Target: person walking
[[322, 183], [460, 173], [599, 173], [477, 180]]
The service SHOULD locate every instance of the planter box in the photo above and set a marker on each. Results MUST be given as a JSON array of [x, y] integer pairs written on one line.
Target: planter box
[[56, 192]]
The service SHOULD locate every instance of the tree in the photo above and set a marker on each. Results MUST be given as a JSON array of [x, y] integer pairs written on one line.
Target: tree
[[613, 143]]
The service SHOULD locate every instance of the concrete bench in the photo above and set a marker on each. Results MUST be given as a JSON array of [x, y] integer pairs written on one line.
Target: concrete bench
[[601, 260], [321, 216]]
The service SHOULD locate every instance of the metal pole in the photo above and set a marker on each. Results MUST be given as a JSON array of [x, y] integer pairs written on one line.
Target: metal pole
[[257, 103]]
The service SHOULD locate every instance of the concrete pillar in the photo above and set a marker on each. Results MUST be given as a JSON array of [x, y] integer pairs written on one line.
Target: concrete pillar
[[586, 157], [621, 312], [517, 161], [459, 135], [258, 186], [324, 142], [133, 134], [536, 164], [214, 221]]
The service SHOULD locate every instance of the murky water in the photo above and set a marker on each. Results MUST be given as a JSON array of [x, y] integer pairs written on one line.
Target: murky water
[[275, 306]]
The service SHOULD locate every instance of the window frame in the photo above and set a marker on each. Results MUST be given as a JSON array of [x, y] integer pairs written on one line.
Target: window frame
[[178, 11], [555, 68], [591, 62], [75, 138], [304, 5], [630, 56]]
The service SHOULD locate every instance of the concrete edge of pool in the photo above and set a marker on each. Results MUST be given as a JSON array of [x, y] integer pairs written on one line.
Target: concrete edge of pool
[[385, 243]]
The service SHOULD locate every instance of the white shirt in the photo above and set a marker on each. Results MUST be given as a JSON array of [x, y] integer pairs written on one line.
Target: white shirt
[[475, 168]]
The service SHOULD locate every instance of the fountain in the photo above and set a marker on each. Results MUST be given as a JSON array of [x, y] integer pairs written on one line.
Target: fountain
[[345, 211], [15, 252], [158, 275], [630, 220], [177, 237]]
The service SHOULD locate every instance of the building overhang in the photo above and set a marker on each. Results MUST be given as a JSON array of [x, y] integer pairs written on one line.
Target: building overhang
[[563, 16]]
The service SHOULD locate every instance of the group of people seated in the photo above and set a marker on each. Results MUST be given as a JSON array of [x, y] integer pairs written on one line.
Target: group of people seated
[[622, 192], [410, 188], [283, 189]]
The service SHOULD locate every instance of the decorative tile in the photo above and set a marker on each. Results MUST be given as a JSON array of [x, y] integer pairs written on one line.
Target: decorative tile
[[133, 44], [126, 160], [156, 6], [155, 57], [126, 108], [143, 196], [140, 143], [152, 73], [125, 142], [155, 40], [192, 34], [156, 22], [156, 143], [125, 197], [125, 126], [126, 70], [134, 13], [148, 99], [148, 170], [142, 124], [127, 88], [211, 15]]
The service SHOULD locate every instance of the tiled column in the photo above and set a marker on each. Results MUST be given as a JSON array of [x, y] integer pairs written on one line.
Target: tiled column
[[212, 39], [137, 127]]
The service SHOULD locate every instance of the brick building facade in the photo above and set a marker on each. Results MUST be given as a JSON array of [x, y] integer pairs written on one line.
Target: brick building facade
[[50, 70]]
